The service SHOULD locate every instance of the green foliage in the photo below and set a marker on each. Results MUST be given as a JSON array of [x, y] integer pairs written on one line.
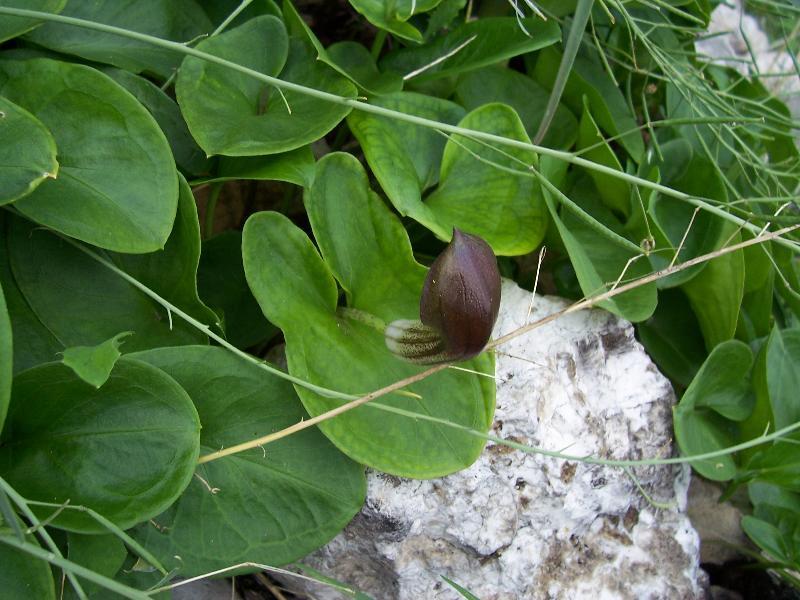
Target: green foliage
[[523, 94], [393, 16], [222, 285], [406, 159], [117, 186], [22, 577], [505, 209], [179, 20], [719, 394], [188, 155], [366, 249], [349, 59], [126, 450], [11, 28], [22, 174], [93, 364], [269, 505], [233, 114], [6, 358], [734, 398], [53, 277], [653, 158], [103, 554], [476, 44]]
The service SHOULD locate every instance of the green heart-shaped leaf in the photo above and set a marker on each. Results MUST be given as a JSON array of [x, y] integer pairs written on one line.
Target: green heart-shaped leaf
[[475, 196], [274, 504], [718, 393], [369, 252], [234, 114], [126, 450], [117, 187], [406, 158]]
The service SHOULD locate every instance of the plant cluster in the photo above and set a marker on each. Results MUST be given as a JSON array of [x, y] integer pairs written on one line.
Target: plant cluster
[[144, 436]]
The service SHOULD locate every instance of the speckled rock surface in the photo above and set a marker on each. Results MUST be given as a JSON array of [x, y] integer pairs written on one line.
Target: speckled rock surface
[[518, 525]]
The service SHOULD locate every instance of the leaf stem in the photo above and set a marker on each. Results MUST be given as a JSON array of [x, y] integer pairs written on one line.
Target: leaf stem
[[361, 316], [211, 205], [73, 569], [377, 44], [584, 304], [397, 385], [704, 203], [54, 551], [135, 546], [244, 4], [251, 565], [322, 391]]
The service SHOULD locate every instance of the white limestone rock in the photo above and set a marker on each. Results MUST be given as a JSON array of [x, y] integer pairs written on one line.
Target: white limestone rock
[[517, 525]]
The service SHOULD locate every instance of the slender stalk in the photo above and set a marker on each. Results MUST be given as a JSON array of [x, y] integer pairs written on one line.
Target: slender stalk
[[377, 44], [251, 565], [29, 514], [222, 26], [74, 568], [704, 203], [9, 516], [322, 391], [605, 462], [594, 300], [361, 316], [131, 543], [211, 206], [584, 304], [244, 4], [335, 412]]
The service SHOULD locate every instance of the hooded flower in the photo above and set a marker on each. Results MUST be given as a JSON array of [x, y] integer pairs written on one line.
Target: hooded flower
[[458, 307]]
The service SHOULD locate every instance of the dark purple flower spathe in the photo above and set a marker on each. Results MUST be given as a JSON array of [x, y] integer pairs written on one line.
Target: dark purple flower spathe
[[461, 295], [458, 307]]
